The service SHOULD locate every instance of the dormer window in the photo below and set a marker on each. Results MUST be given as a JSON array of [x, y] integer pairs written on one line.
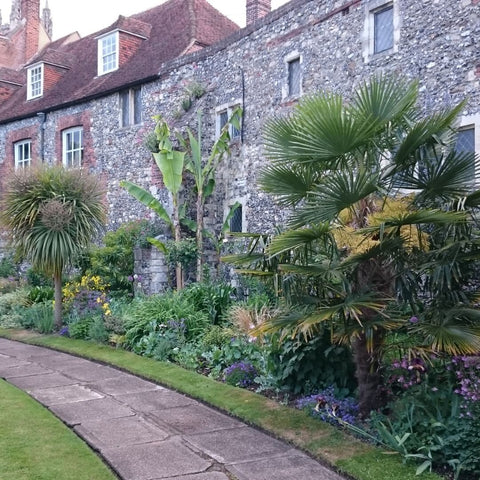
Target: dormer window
[[108, 53], [35, 81]]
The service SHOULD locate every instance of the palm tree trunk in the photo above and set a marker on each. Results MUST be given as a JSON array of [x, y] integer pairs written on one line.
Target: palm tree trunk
[[57, 282], [370, 391], [199, 235]]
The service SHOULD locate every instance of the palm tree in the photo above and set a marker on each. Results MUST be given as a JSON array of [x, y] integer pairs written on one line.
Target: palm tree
[[381, 227], [52, 215]]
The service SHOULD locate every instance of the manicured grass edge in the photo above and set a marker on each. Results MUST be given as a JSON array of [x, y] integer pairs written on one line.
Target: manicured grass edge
[[330, 445], [37, 445]]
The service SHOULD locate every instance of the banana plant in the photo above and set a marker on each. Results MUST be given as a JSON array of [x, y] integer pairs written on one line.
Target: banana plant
[[171, 164], [203, 171]]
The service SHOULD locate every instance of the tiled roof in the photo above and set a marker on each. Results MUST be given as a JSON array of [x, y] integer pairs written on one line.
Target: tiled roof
[[169, 30]]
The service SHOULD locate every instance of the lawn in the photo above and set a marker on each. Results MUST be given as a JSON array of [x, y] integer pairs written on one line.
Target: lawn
[[35, 445]]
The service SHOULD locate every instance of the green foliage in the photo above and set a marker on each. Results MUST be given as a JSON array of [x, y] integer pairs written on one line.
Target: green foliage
[[7, 267], [97, 330], [147, 315], [382, 217], [183, 252], [114, 262], [40, 294], [8, 285], [38, 279], [308, 366], [9, 301], [211, 298], [53, 214], [430, 420], [79, 327], [40, 315], [217, 336]]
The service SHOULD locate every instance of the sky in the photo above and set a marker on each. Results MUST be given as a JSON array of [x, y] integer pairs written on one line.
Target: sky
[[96, 14]]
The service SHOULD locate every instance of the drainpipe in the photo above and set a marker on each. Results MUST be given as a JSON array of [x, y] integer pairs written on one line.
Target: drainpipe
[[42, 117]]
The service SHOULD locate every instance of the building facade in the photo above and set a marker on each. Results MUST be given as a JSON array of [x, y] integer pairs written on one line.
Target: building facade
[[303, 47]]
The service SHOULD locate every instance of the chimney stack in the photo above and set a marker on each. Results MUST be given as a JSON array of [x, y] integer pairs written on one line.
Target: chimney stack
[[30, 11], [257, 9]]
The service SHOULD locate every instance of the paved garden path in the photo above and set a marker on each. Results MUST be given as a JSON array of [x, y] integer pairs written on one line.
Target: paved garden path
[[145, 431]]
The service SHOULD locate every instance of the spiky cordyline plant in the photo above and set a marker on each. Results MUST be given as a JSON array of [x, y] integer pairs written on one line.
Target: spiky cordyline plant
[[52, 214]]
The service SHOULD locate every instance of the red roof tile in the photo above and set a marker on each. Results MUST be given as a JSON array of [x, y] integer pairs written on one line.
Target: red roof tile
[[169, 29]]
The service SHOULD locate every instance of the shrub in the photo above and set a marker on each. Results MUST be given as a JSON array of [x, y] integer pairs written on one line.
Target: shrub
[[114, 262], [435, 410], [7, 267], [8, 285], [40, 294], [40, 315], [211, 298], [97, 331], [161, 309], [305, 367], [217, 336]]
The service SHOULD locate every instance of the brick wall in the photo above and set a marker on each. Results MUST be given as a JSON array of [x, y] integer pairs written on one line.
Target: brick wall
[[128, 46]]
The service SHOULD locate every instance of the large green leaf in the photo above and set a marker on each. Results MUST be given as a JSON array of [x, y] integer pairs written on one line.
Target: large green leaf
[[171, 165], [147, 199]]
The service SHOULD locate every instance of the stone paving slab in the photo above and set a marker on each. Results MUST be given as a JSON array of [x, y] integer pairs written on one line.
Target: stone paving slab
[[64, 394], [89, 372], [22, 370], [120, 432], [147, 432], [237, 444], [37, 382], [154, 400], [7, 361], [123, 384], [282, 468], [156, 460], [82, 411], [195, 418], [56, 361]]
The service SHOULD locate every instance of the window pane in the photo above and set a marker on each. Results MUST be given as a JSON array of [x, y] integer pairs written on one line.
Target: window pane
[[223, 119], [466, 144], [125, 105], [73, 147], [137, 106], [109, 53], [236, 220], [294, 77], [22, 151], [466, 141], [383, 30]]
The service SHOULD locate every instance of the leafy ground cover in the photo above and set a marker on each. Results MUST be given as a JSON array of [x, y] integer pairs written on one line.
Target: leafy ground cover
[[327, 443], [35, 445]]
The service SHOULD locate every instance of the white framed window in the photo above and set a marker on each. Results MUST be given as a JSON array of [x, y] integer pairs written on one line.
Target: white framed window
[[22, 154], [222, 114], [72, 147], [131, 107], [108, 53], [35, 81], [382, 28], [293, 82]]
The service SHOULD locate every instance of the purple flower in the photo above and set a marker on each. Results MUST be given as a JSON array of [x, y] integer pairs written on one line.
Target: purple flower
[[413, 320]]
